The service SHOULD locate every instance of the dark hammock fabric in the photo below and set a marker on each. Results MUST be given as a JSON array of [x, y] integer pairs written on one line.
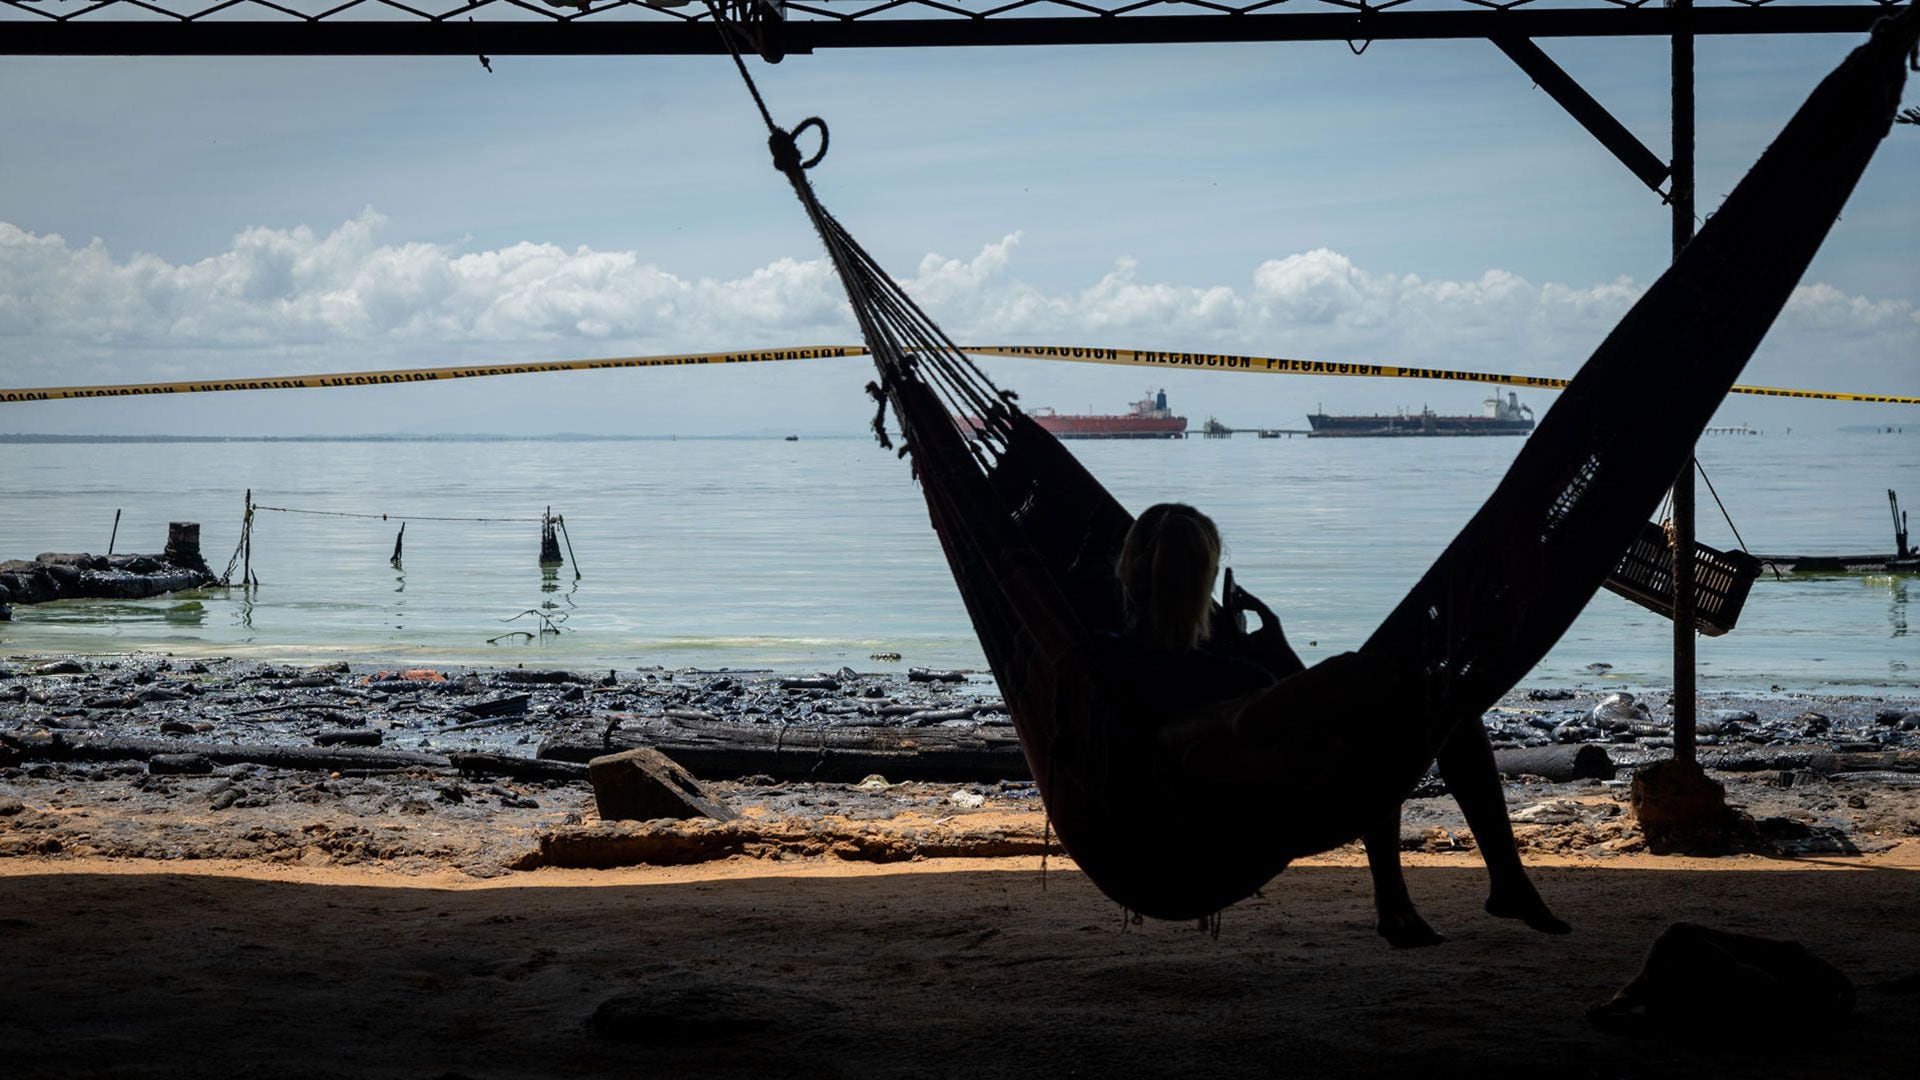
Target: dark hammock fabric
[[1033, 539]]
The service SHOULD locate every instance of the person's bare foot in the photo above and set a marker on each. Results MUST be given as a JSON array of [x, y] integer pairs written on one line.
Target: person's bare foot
[[1405, 929], [1524, 903]]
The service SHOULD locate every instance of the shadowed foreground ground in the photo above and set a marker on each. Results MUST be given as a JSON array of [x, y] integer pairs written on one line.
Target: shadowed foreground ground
[[951, 969]]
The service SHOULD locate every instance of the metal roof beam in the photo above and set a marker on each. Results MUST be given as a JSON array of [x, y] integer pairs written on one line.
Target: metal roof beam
[[88, 36], [1592, 115]]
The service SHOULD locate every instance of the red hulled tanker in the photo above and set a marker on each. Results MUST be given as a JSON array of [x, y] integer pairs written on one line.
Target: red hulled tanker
[[1148, 419]]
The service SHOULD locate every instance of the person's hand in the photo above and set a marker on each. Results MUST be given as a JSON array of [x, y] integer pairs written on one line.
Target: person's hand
[[1242, 600]]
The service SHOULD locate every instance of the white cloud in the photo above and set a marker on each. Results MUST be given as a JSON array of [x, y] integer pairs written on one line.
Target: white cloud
[[348, 299]]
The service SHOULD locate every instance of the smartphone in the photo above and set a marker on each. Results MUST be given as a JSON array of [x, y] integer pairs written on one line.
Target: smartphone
[[1236, 616]]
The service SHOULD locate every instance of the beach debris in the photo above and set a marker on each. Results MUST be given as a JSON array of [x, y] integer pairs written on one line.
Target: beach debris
[[509, 705], [409, 675], [870, 782], [889, 656], [67, 576], [643, 784], [348, 737], [971, 800], [523, 676], [1549, 812], [1620, 711]]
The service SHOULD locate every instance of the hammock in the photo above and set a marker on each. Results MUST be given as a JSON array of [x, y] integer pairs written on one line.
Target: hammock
[[1033, 540]]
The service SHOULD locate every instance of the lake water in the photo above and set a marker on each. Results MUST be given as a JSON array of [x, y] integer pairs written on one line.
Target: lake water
[[815, 554]]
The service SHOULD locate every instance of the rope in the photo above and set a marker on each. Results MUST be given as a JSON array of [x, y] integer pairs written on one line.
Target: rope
[[390, 517], [898, 334], [1723, 506]]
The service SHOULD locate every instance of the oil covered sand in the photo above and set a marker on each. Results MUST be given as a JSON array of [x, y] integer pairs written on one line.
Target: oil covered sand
[[408, 922]]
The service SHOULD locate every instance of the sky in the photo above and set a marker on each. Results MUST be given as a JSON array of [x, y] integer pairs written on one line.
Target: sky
[[1421, 204]]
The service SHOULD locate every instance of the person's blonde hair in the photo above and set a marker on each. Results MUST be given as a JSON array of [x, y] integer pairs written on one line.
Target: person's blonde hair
[[1166, 575]]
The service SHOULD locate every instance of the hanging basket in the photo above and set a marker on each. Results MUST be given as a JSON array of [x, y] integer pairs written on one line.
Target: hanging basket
[[1720, 580]]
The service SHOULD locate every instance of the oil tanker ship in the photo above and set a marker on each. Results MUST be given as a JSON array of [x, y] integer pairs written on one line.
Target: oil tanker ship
[[1507, 417], [1149, 418]]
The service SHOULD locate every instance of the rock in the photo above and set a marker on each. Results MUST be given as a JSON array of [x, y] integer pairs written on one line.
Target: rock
[[180, 765], [227, 798], [10, 806], [643, 784], [176, 727], [969, 799], [1735, 716], [1550, 695], [1599, 667], [60, 667], [929, 675], [821, 682]]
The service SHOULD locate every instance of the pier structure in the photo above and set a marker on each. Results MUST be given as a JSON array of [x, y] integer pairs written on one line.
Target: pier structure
[[1214, 429]]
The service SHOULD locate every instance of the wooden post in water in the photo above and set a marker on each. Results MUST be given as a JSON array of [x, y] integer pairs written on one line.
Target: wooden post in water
[[115, 535], [246, 543], [398, 537], [549, 541]]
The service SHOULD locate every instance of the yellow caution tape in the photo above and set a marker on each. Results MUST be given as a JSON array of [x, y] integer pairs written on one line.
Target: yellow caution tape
[[1177, 361], [1273, 365], [400, 376]]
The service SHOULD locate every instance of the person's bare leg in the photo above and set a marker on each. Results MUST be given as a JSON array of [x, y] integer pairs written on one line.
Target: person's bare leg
[[1466, 764], [1398, 920]]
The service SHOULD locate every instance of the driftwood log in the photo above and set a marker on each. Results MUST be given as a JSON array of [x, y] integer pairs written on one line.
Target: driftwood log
[[520, 768], [721, 751], [1556, 763], [130, 748]]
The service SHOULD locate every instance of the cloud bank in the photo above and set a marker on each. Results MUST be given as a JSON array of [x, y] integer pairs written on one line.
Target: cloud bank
[[349, 298]]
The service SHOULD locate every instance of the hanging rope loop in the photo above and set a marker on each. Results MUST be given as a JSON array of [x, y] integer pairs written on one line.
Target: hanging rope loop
[[785, 146]]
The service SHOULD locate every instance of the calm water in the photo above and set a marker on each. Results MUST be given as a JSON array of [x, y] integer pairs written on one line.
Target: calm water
[[816, 554]]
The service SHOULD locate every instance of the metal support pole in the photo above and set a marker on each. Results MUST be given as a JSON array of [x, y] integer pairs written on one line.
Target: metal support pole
[[1681, 197]]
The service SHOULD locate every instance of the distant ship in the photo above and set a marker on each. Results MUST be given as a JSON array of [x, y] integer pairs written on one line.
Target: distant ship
[[1150, 418], [1507, 417]]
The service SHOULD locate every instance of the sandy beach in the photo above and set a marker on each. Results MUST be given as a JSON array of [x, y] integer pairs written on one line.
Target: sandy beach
[[423, 916], [950, 968]]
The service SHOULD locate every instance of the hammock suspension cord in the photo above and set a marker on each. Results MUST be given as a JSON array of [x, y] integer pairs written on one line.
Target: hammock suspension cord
[[900, 335]]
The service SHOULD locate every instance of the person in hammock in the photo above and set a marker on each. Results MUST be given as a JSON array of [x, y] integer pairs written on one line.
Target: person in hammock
[[1183, 656]]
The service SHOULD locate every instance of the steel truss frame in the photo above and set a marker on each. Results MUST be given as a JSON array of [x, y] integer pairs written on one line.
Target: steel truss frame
[[633, 27]]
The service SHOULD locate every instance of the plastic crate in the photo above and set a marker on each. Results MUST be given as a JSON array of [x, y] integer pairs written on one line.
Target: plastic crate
[[1721, 580]]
